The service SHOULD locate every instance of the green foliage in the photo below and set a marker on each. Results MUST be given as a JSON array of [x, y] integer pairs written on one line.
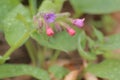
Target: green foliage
[[5, 7], [8, 70], [98, 34], [49, 5], [96, 6], [111, 43], [59, 72], [109, 69], [108, 22], [82, 45], [60, 41], [18, 27], [2, 59], [14, 28]]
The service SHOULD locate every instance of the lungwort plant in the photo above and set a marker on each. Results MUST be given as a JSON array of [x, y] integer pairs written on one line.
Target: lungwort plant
[[59, 32]]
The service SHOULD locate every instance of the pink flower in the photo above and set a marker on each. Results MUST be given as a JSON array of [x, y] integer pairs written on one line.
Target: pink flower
[[49, 31], [43, 19], [71, 31], [78, 22]]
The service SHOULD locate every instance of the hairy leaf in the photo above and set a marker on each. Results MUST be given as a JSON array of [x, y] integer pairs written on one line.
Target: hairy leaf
[[15, 28], [81, 45], [59, 72], [49, 5], [109, 69], [60, 41], [96, 6], [5, 7], [12, 70], [111, 42]]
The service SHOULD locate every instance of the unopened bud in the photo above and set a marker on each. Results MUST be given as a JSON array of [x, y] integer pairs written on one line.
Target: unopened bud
[[71, 31], [49, 31]]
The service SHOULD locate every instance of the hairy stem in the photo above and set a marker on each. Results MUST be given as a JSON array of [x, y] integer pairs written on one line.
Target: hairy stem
[[33, 6], [31, 51], [17, 45], [55, 56]]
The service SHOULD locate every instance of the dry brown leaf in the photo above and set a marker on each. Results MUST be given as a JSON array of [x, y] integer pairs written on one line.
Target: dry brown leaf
[[72, 75], [89, 76], [52, 76], [20, 78]]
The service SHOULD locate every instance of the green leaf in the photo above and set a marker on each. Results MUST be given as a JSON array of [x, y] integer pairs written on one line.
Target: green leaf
[[96, 6], [82, 45], [60, 41], [15, 28], [111, 43], [8, 70], [59, 72], [109, 69], [91, 42], [5, 7], [49, 5], [98, 34], [2, 59]]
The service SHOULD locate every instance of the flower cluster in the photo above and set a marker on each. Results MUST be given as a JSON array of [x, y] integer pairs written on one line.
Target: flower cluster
[[59, 21]]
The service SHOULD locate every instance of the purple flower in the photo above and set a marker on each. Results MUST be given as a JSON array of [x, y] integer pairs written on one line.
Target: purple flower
[[78, 22], [49, 17]]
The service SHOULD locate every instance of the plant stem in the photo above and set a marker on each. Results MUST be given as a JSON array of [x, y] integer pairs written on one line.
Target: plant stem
[[55, 56], [31, 51], [41, 56], [17, 45], [33, 6]]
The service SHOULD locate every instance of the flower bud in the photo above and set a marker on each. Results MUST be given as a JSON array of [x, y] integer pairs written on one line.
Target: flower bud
[[78, 22], [49, 31], [57, 27], [40, 23], [71, 31]]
